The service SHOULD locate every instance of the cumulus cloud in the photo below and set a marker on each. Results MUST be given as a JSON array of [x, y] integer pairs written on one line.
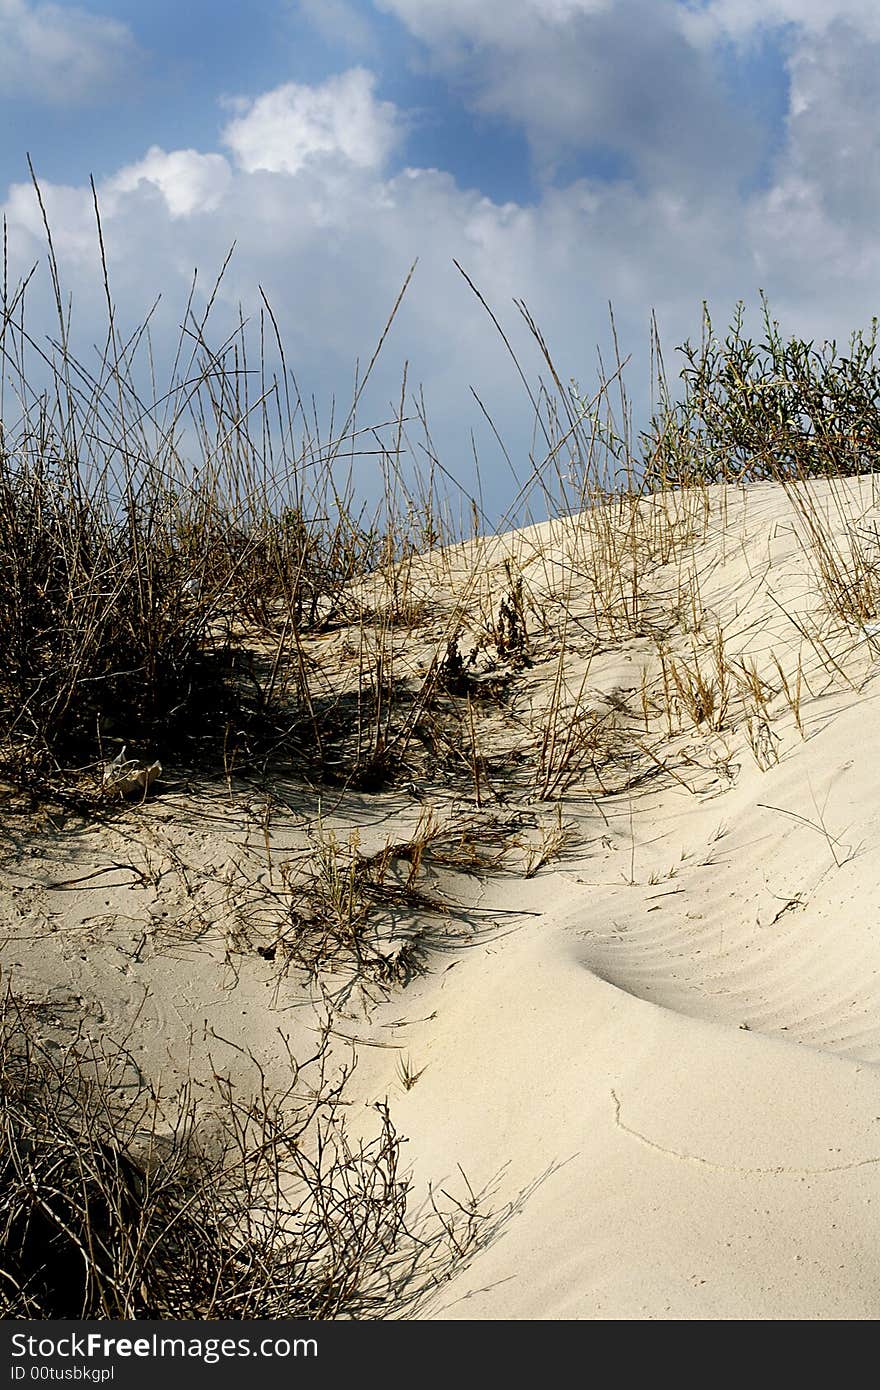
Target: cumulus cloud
[[286, 129], [812, 232], [67, 209], [60, 53], [189, 182], [581, 75], [834, 140]]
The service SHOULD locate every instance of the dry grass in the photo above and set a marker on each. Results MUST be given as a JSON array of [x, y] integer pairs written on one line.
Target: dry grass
[[368, 912], [116, 1206]]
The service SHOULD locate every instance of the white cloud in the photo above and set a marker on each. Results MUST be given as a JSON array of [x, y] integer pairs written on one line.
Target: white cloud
[[68, 209], [514, 23], [834, 139], [741, 20], [813, 231], [339, 22], [60, 53], [492, 22], [617, 76], [188, 181], [286, 129]]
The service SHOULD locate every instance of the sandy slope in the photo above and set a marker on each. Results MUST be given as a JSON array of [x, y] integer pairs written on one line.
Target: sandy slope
[[662, 1054]]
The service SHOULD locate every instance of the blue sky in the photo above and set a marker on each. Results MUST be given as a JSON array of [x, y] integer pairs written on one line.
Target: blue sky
[[654, 153]]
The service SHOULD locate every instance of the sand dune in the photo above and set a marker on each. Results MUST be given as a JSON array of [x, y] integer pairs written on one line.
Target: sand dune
[[658, 1053]]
